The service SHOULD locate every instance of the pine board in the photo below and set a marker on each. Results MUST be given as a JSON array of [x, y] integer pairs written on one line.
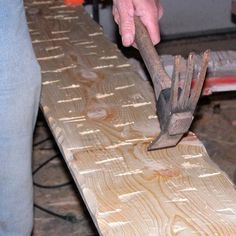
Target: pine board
[[102, 115]]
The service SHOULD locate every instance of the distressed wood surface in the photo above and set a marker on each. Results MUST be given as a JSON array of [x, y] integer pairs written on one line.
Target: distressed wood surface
[[102, 116]]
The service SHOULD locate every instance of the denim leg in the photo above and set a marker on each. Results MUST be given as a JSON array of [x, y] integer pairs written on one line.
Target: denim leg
[[19, 98]]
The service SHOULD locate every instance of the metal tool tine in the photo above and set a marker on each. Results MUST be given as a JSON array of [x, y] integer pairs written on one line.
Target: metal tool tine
[[175, 84], [199, 81], [185, 94]]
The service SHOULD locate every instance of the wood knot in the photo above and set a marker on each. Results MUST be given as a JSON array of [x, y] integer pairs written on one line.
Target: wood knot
[[88, 74], [98, 113]]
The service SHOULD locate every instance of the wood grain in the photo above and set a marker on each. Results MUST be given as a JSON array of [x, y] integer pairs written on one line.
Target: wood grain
[[102, 115]]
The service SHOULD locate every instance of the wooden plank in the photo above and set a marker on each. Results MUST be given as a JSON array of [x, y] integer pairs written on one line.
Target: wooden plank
[[102, 116]]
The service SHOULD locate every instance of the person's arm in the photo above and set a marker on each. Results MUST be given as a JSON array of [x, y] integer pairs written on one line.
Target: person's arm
[[149, 11]]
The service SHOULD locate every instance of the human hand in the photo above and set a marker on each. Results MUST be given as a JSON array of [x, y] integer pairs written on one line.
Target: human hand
[[149, 11]]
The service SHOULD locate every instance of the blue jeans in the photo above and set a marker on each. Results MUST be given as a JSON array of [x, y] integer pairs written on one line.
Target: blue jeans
[[19, 98]]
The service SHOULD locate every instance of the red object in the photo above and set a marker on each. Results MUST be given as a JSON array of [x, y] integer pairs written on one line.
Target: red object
[[73, 2], [219, 84]]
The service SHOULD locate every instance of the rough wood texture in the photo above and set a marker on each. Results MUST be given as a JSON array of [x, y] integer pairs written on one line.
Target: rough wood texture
[[103, 116]]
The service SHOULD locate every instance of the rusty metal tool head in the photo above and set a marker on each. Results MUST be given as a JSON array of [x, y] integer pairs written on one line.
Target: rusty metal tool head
[[176, 97]]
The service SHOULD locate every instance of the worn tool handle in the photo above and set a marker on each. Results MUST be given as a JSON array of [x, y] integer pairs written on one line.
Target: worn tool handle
[[150, 56]]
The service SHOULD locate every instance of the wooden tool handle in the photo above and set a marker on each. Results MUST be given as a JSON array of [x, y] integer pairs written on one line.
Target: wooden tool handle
[[150, 56]]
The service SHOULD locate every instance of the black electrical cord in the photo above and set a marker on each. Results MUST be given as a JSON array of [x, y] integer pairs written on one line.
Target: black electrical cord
[[41, 141], [68, 217], [53, 186], [45, 163], [49, 186]]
